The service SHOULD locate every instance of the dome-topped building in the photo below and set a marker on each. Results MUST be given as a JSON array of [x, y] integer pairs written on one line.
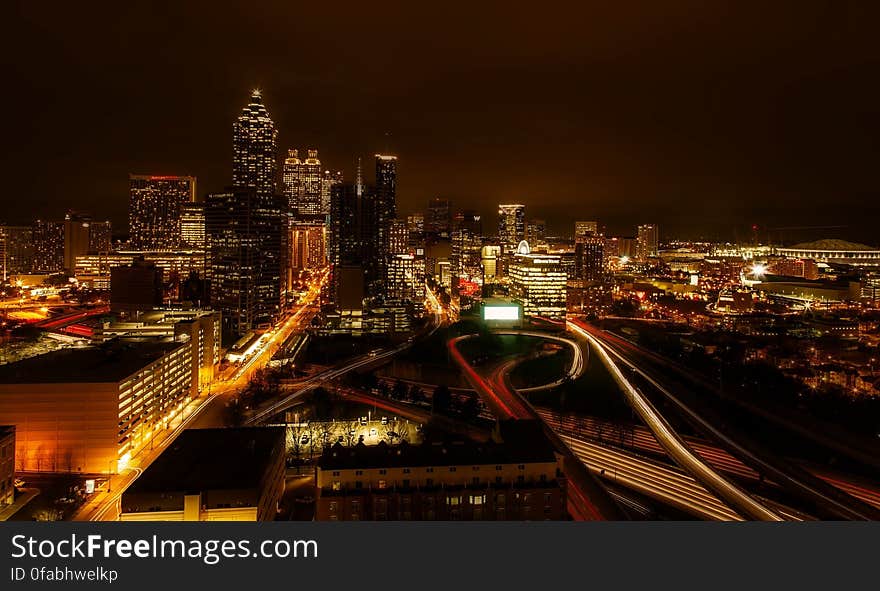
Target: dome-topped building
[[834, 251]]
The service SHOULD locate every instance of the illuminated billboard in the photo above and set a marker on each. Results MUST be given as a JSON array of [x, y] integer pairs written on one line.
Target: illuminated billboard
[[500, 312]]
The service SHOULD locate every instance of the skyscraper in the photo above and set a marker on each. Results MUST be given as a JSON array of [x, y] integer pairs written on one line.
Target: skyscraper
[[590, 258], [511, 225], [539, 281], [328, 181], [76, 238], [18, 251], [192, 226], [647, 242], [154, 210], [303, 184], [345, 246], [47, 239], [100, 236], [385, 209], [245, 231], [254, 148], [536, 229], [439, 220]]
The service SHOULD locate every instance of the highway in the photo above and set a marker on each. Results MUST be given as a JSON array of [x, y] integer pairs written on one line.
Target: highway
[[677, 449], [103, 506], [838, 503]]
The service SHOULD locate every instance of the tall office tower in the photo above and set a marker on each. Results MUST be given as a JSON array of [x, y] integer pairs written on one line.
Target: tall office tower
[[328, 181], [585, 229], [489, 255], [192, 226], [511, 225], [439, 220], [17, 249], [345, 236], [536, 230], [76, 238], [254, 147], [243, 236], [466, 256], [398, 237], [307, 244], [647, 242], [539, 281], [303, 184], [385, 208], [469, 220], [416, 223], [100, 237], [48, 244], [154, 209], [590, 258]]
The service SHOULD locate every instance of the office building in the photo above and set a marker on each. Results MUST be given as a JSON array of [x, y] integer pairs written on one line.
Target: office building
[[135, 288], [47, 238], [254, 151], [303, 184], [7, 464], [154, 210], [439, 217], [76, 238], [416, 223], [489, 256], [192, 226], [244, 235], [513, 479], [585, 229], [511, 225], [398, 237], [406, 282], [328, 181], [307, 244], [91, 409], [100, 237], [384, 211], [590, 258], [536, 230], [647, 242], [539, 282], [93, 270], [212, 475]]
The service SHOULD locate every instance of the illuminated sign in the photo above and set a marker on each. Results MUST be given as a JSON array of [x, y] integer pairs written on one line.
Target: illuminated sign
[[500, 312]]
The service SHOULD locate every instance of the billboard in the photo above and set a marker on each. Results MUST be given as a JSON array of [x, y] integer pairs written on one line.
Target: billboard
[[501, 312]]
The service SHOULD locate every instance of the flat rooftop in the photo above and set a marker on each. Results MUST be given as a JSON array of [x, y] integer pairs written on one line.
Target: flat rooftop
[[203, 460], [522, 442], [110, 362]]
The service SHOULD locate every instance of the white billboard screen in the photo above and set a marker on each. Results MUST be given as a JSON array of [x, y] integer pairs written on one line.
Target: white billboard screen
[[501, 313]]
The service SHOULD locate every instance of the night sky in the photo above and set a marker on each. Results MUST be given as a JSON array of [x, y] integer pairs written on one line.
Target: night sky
[[705, 117]]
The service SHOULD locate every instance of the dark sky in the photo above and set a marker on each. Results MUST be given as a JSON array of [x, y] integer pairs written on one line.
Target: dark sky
[[705, 117]]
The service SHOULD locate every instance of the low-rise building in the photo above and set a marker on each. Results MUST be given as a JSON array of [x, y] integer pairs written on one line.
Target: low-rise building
[[212, 475], [514, 479], [91, 409]]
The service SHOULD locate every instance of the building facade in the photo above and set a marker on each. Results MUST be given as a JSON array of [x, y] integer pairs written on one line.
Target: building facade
[[539, 282], [154, 210]]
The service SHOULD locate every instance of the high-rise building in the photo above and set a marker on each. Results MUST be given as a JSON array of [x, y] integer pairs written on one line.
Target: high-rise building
[[76, 238], [154, 210], [17, 250], [192, 226], [303, 184], [439, 220], [100, 237], [398, 237], [254, 148], [244, 236], [135, 288], [539, 282], [385, 208], [307, 243], [489, 262], [511, 225], [47, 239], [536, 230], [328, 181], [416, 223], [346, 247], [585, 229], [647, 242], [406, 282], [590, 258]]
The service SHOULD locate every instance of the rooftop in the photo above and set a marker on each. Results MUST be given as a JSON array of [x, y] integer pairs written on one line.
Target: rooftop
[[523, 442], [831, 244], [202, 460], [111, 362]]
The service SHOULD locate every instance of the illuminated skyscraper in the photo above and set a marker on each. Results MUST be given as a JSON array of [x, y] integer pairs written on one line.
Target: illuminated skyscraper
[[590, 258], [385, 208], [303, 184], [47, 239], [76, 238], [539, 282], [536, 230], [328, 181], [100, 237], [254, 148], [647, 242], [398, 237], [416, 223], [511, 225], [154, 210], [17, 250]]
